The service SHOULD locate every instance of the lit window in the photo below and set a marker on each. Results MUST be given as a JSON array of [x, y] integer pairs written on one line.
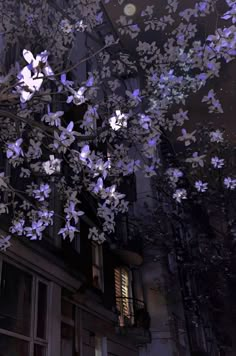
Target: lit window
[[124, 303], [97, 266]]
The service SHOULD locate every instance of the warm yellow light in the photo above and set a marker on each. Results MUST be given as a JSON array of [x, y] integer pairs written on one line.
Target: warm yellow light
[[129, 9]]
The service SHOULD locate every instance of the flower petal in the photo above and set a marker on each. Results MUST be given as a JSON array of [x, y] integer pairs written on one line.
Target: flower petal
[[28, 56]]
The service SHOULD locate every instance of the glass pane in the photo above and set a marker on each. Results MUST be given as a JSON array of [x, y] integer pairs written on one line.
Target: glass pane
[[67, 309], [42, 310], [15, 299], [97, 280], [10, 346], [67, 340], [39, 350], [98, 346], [96, 254]]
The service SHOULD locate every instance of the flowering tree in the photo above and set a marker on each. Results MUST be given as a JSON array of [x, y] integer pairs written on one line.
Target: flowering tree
[[92, 152]]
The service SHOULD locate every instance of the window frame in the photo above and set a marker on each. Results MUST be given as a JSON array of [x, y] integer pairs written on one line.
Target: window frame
[[103, 345], [75, 322], [98, 251]]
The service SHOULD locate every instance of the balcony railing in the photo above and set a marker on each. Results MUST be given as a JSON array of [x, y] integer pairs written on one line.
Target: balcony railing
[[133, 319], [132, 313]]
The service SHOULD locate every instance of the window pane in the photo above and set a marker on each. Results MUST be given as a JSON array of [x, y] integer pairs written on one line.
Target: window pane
[[39, 350], [67, 309], [10, 346], [98, 346], [67, 340], [42, 310], [97, 278], [96, 254], [15, 299]]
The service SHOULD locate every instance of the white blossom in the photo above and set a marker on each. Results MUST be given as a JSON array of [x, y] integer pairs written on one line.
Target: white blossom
[[80, 26], [77, 97], [46, 216], [3, 183], [187, 137], [34, 232], [52, 166], [84, 154], [5, 242], [31, 76], [200, 186], [230, 183], [17, 227], [174, 174], [98, 187], [14, 150], [217, 162], [118, 121], [68, 231], [3, 208], [180, 194], [42, 192], [71, 212], [145, 121], [95, 235], [196, 160], [65, 139], [66, 26], [216, 136], [53, 118]]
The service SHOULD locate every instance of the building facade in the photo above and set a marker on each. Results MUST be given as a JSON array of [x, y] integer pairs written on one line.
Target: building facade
[[128, 297]]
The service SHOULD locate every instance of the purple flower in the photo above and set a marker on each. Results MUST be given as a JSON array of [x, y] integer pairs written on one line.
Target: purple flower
[[217, 162], [72, 213], [4, 242], [42, 192], [216, 136], [85, 152], [17, 227], [230, 183], [35, 231], [180, 194], [68, 231], [99, 186], [14, 150], [46, 216], [200, 186]]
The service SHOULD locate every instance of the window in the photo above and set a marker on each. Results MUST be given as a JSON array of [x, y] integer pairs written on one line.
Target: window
[[70, 326], [41, 314], [97, 266], [124, 303], [15, 300], [11, 346], [23, 312]]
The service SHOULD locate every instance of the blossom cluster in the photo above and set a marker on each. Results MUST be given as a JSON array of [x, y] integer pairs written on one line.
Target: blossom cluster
[[66, 137]]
